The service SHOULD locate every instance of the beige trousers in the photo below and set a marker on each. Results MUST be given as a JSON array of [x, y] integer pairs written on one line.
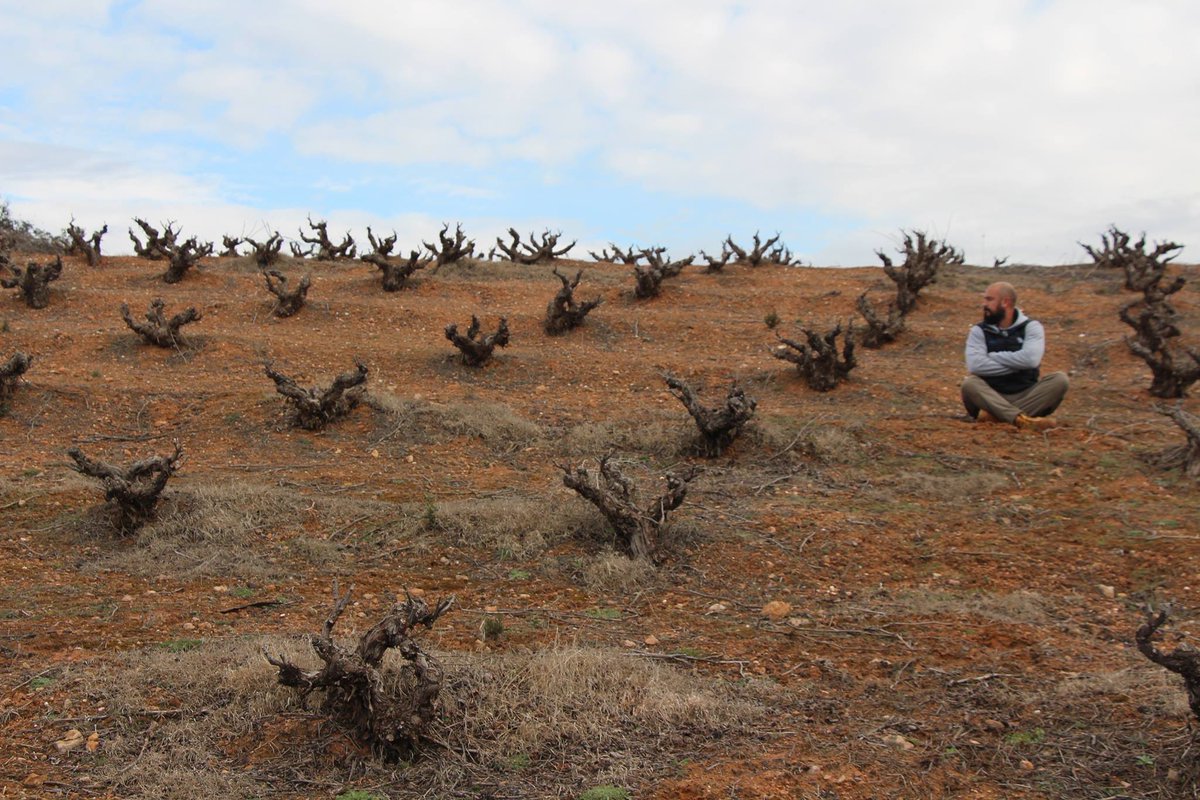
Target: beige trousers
[[1038, 400]]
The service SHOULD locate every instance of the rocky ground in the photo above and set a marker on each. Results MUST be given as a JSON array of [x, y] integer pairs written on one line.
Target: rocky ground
[[867, 595]]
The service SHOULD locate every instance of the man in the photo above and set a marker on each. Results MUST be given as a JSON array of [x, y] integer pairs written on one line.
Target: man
[[1004, 353]]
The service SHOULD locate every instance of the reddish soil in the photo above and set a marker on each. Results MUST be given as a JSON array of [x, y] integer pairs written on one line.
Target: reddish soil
[[963, 596]]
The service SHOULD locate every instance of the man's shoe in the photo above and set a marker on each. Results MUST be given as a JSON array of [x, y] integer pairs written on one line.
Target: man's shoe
[[1035, 423], [985, 416]]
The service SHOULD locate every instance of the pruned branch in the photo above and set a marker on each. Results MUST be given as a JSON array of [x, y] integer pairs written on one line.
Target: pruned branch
[[1174, 367], [639, 531], [476, 349], [380, 709], [719, 425], [628, 256], [316, 407], [133, 490], [157, 329], [717, 263], [287, 301], [1185, 456], [1184, 661]]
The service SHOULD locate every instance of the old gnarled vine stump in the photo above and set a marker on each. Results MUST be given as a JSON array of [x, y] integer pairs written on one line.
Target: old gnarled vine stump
[[818, 360], [134, 490], [33, 282], [83, 245], [564, 313], [380, 709], [639, 531], [534, 251], [157, 329], [316, 407], [287, 301], [10, 373], [1184, 661], [924, 257], [718, 426], [476, 349]]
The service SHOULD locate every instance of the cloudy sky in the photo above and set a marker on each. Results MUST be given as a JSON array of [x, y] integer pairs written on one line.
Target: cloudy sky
[[1008, 127]]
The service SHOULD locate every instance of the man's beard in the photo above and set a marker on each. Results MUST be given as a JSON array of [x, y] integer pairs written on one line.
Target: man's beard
[[993, 317]]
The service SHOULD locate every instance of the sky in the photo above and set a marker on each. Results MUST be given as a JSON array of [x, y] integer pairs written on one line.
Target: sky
[[1008, 128]]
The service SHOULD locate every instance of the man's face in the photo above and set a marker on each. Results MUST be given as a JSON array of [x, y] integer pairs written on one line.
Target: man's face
[[993, 307]]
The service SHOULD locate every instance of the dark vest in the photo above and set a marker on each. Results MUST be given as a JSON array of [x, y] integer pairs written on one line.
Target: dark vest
[[1008, 340]]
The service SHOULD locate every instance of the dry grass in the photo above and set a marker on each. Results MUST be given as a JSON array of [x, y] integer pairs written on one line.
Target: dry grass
[[614, 574], [659, 433], [213, 720], [511, 525], [238, 530], [954, 487], [421, 421], [1024, 607]]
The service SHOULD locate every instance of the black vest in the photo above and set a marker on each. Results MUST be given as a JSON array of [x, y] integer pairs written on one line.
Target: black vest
[[1008, 340]]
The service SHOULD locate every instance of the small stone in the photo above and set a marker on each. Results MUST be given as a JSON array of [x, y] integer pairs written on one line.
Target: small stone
[[417, 592], [491, 609], [127, 598], [1106, 590], [993, 725], [629, 643], [1173, 775], [74, 739], [1026, 764], [187, 626], [375, 454], [896, 740], [776, 610], [34, 779], [799, 622], [220, 589], [717, 608], [93, 741], [651, 640]]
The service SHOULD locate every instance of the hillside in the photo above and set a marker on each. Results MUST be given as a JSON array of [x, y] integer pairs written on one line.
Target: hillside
[[951, 631]]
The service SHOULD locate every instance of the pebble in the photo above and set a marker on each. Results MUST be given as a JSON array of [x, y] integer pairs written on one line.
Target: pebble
[[717, 608], [651, 640], [629, 643], [72, 740], [776, 610], [1106, 590], [896, 740], [1026, 764]]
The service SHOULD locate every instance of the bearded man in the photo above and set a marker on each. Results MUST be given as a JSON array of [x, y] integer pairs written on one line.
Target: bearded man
[[1004, 356]]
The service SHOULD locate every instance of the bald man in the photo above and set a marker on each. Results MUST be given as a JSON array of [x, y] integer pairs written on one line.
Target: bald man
[[1004, 356]]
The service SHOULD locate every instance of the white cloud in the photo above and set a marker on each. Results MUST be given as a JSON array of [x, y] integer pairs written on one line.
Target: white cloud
[[1017, 128]]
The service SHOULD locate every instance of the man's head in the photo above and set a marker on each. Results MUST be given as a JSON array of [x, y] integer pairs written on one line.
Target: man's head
[[1000, 304]]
